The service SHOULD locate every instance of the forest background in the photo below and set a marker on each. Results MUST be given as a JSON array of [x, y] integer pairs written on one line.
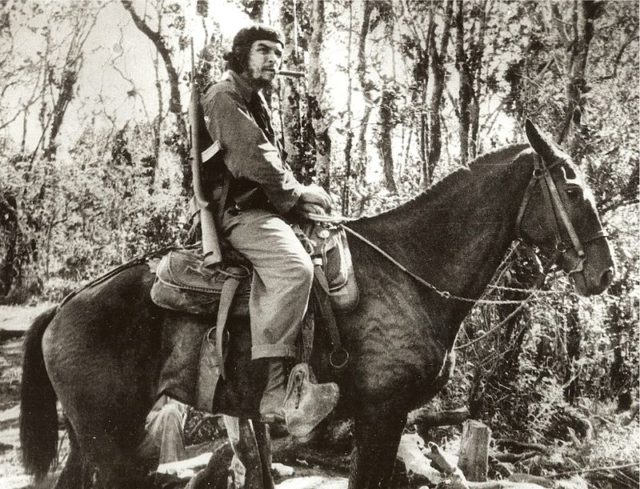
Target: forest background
[[384, 98]]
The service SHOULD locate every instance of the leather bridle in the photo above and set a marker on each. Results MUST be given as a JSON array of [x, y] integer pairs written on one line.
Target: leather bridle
[[552, 200]]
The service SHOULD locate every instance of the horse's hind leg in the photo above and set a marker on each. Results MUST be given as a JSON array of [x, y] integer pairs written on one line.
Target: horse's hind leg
[[377, 436], [72, 475], [111, 466], [245, 447]]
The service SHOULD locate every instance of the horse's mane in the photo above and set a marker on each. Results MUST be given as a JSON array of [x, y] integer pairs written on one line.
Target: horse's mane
[[497, 157], [500, 157]]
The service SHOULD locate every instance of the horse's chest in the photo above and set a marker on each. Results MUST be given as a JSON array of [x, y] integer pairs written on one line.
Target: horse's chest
[[393, 359], [393, 341]]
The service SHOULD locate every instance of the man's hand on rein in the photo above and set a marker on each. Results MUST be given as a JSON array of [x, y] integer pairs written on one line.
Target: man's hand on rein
[[313, 200]]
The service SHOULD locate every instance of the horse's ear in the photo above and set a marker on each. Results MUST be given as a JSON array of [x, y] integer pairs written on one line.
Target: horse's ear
[[539, 142]]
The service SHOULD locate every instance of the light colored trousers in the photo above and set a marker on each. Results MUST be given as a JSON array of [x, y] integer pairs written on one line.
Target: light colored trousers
[[164, 437], [282, 278]]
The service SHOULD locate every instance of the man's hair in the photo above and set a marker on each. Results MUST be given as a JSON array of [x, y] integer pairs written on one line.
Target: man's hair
[[238, 58]]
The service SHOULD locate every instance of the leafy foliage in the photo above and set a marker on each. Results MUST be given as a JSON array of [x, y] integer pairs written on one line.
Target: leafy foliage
[[90, 216]]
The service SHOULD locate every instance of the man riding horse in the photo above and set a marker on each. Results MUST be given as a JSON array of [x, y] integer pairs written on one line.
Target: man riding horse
[[103, 352], [260, 191]]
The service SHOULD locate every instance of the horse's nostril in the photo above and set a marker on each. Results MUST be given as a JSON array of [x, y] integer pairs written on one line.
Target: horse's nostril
[[606, 278]]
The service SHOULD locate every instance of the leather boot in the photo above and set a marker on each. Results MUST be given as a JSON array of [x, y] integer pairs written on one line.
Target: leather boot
[[271, 405]]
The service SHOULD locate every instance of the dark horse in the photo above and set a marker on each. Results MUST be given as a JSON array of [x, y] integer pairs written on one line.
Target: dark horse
[[100, 353]]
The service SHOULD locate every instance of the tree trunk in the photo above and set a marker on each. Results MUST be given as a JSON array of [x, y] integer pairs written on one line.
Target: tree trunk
[[469, 65], [346, 191], [367, 88], [464, 92], [477, 64], [573, 128], [618, 320], [384, 139], [157, 125], [65, 95], [316, 85], [289, 94], [438, 73], [422, 72], [181, 145], [83, 26], [9, 231]]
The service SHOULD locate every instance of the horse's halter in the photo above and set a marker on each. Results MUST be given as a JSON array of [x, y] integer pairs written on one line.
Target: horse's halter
[[561, 219]]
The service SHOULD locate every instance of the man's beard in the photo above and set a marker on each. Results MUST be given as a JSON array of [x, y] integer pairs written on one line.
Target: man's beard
[[261, 83], [256, 80]]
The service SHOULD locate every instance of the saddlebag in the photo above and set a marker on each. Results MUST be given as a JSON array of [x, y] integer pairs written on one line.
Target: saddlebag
[[183, 284]]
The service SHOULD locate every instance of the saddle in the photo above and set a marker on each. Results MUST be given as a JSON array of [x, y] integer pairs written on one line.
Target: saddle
[[184, 284]]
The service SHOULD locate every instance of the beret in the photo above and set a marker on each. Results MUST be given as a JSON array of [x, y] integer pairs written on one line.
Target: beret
[[257, 32]]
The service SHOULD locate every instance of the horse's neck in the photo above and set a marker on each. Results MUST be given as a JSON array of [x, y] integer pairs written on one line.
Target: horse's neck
[[456, 239]]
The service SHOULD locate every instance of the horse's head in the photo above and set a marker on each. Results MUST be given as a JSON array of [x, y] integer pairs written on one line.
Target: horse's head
[[558, 213]]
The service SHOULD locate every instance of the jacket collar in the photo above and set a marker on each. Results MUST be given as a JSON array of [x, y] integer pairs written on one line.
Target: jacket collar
[[244, 88]]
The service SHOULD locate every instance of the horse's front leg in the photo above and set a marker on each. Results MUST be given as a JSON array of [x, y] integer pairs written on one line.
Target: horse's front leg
[[377, 436], [246, 449], [216, 473], [263, 437]]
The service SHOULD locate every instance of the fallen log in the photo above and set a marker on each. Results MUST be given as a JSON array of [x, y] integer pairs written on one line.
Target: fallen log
[[185, 469], [512, 457], [10, 334], [519, 445], [595, 469], [454, 478], [504, 484], [532, 479], [412, 453], [427, 418]]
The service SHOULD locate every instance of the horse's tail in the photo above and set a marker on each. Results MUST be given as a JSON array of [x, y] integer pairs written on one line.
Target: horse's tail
[[38, 416]]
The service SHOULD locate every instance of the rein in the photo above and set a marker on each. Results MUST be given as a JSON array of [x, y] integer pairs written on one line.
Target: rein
[[442, 293]]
